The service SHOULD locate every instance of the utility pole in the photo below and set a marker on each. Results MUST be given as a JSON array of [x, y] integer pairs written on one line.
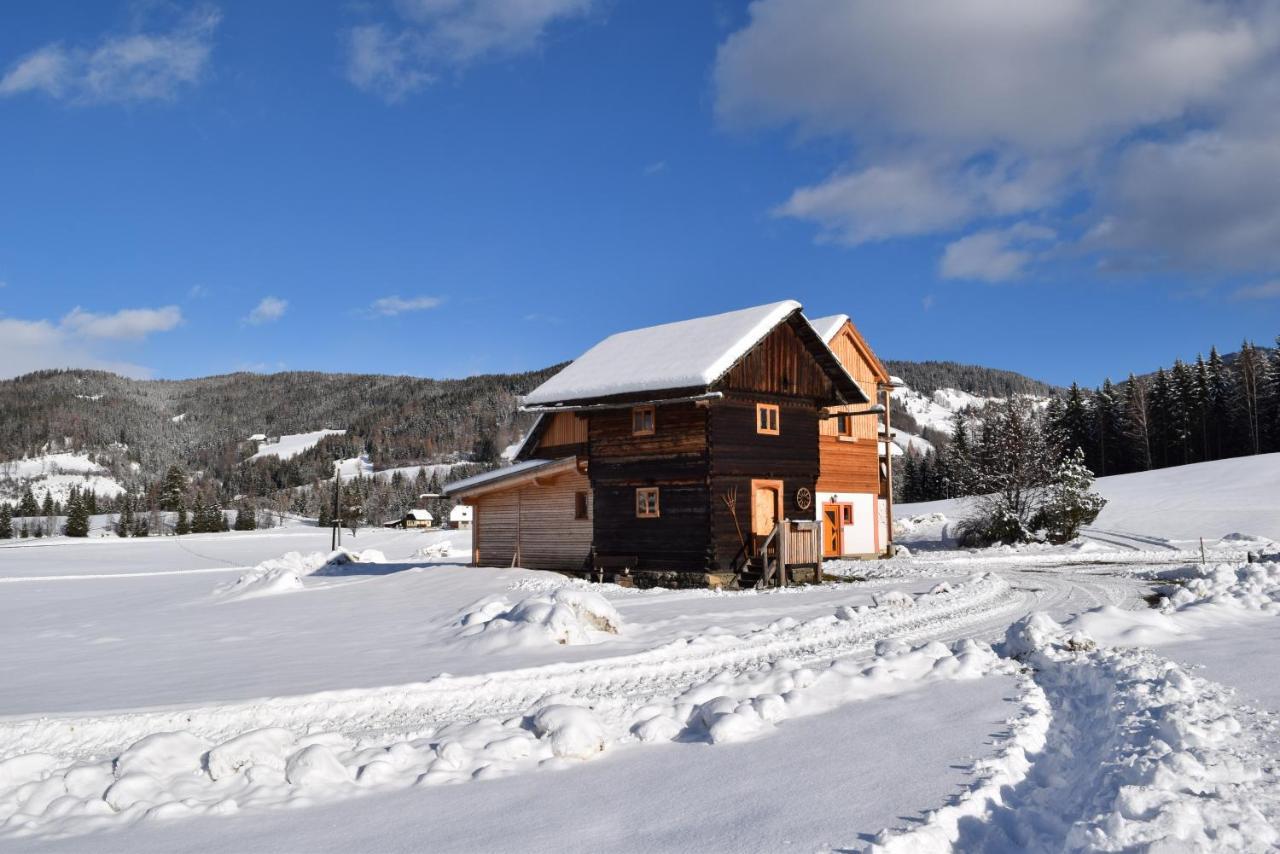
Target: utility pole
[[336, 539]]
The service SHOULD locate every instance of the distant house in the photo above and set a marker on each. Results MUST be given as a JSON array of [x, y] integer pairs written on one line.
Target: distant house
[[418, 519], [681, 454], [257, 437], [460, 516]]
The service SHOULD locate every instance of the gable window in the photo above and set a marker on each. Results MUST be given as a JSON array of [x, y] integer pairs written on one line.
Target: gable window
[[642, 421], [647, 503], [844, 426], [767, 419], [579, 505]]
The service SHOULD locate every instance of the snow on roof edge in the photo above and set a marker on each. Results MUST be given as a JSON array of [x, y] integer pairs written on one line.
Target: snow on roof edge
[[828, 326], [595, 373]]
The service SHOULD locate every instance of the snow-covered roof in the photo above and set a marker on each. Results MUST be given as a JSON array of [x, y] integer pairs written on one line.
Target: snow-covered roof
[[420, 515], [828, 326], [491, 477], [686, 354], [258, 437], [460, 513]]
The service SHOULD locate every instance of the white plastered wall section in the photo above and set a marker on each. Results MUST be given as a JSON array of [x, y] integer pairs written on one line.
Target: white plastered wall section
[[866, 536]]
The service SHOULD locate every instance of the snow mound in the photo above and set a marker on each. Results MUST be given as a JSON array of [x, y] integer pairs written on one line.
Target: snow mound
[[284, 574], [572, 731], [563, 616]]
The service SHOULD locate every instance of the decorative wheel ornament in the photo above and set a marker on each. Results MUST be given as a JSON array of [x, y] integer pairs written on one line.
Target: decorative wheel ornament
[[804, 498]]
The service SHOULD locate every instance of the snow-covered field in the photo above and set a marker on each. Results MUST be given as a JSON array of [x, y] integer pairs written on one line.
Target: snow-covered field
[[254, 691]]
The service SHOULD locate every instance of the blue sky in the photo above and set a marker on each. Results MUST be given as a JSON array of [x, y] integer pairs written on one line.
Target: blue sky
[[448, 187]]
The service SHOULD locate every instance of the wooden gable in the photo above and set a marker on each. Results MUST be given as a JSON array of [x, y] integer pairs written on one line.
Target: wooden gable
[[781, 364]]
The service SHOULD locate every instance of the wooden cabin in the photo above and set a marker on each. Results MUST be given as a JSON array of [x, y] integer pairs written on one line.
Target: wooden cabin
[[855, 480], [417, 518], [681, 454]]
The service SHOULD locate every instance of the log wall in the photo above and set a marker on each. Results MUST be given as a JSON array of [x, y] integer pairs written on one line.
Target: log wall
[[674, 459], [739, 455]]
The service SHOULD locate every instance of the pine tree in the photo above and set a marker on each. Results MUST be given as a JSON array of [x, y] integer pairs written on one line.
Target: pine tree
[[46, 507], [1159, 407], [77, 517], [1182, 407], [124, 525], [1220, 406], [199, 516], [173, 491], [961, 463], [6, 522], [1069, 501], [1202, 411], [1270, 406], [183, 525], [246, 518], [141, 527], [1074, 424], [27, 506], [1107, 429], [90, 499], [326, 515], [1250, 371]]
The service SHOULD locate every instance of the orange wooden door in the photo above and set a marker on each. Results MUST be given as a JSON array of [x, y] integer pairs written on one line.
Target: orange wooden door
[[832, 532], [766, 499]]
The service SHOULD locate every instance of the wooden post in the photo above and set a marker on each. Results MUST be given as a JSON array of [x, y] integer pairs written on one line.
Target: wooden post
[[782, 553], [888, 471], [1202, 551]]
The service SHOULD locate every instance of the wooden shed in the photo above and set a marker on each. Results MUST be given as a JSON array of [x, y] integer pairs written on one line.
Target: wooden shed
[[535, 514]]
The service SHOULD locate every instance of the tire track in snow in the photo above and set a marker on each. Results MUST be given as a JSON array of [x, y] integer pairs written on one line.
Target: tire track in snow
[[983, 602]]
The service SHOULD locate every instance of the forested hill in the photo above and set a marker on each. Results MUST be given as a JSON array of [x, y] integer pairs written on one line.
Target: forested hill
[[136, 429], [928, 377], [202, 423]]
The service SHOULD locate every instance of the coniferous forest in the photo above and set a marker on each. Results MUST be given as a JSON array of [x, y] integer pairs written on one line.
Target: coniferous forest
[[1209, 409]]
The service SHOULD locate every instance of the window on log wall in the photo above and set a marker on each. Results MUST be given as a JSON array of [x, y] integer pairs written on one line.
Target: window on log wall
[[647, 503], [642, 421], [767, 419]]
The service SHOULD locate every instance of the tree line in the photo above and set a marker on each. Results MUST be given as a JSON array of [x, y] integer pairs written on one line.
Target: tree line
[[1209, 409]]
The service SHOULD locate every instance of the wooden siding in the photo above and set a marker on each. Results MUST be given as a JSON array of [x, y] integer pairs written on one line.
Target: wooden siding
[[674, 459], [562, 434], [739, 455], [848, 466], [861, 369], [534, 525], [781, 364]]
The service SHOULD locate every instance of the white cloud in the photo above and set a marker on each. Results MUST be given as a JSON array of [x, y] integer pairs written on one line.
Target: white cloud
[[393, 305], [432, 37], [134, 67], [656, 168], [960, 115], [880, 202], [270, 309], [80, 340], [129, 324], [1267, 290], [995, 255]]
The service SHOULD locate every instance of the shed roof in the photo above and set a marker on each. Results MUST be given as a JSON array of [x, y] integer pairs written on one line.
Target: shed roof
[[689, 356], [420, 515], [493, 479]]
